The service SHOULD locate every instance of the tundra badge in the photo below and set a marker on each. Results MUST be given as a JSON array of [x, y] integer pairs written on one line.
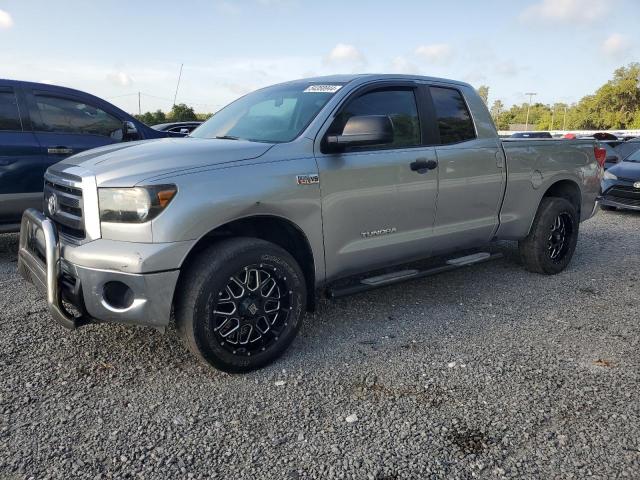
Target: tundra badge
[[308, 179]]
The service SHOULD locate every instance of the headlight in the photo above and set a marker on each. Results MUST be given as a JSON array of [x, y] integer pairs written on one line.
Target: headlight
[[609, 176], [134, 205]]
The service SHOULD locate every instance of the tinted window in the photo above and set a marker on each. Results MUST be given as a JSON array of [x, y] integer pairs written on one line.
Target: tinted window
[[399, 105], [454, 120], [72, 116], [9, 115]]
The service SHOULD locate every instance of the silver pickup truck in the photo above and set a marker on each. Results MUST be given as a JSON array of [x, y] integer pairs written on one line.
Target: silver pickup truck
[[291, 190]]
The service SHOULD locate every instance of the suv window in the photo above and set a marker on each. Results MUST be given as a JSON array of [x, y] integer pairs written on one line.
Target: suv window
[[73, 116], [9, 114], [399, 104], [454, 120]]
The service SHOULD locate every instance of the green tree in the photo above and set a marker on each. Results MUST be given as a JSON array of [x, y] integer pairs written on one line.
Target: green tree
[[496, 109], [483, 91], [182, 113]]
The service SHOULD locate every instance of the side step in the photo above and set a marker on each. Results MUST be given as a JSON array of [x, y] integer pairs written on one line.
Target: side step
[[410, 274]]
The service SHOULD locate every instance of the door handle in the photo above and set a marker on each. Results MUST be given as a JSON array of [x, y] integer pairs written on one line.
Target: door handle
[[421, 165], [59, 151]]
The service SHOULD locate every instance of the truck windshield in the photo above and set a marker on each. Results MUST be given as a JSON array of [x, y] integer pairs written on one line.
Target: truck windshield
[[274, 114]]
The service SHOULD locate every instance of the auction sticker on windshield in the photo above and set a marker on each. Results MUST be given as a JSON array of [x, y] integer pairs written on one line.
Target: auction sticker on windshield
[[322, 88]]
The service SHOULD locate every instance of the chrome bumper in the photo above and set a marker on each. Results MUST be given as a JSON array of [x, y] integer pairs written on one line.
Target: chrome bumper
[[38, 236], [40, 262]]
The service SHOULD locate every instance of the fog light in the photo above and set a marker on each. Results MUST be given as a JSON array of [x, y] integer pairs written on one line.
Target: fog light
[[117, 295]]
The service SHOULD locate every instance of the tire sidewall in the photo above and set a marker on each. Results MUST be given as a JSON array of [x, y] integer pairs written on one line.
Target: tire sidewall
[[554, 208], [219, 272]]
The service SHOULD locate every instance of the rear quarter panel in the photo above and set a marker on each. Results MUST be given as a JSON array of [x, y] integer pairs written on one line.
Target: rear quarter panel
[[534, 166]]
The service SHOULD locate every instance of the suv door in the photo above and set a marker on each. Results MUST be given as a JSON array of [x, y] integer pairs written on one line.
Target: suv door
[[470, 172], [376, 210], [65, 125], [19, 155]]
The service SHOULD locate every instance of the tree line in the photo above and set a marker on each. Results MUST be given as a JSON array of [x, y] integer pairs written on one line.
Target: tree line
[[614, 106], [178, 113]]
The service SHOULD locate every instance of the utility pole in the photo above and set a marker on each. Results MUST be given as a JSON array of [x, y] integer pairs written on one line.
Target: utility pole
[[553, 113], [139, 105], [564, 121], [526, 123], [178, 85]]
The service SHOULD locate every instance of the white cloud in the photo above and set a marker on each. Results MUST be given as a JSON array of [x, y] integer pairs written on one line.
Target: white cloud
[[278, 3], [508, 68], [581, 11], [439, 53], [227, 7], [345, 55], [402, 65], [120, 78], [5, 20], [615, 45]]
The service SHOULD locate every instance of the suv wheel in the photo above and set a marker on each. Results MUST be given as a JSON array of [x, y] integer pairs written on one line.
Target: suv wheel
[[241, 304], [550, 245]]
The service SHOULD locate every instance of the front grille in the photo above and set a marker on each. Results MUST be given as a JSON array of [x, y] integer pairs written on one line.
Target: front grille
[[624, 194], [68, 212]]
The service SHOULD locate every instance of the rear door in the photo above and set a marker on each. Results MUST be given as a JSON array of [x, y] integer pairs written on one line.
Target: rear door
[[19, 155], [376, 209], [65, 124], [470, 173]]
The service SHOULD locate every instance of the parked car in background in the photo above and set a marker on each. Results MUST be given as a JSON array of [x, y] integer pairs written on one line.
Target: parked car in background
[[42, 124], [184, 128], [532, 135], [625, 149], [612, 157], [621, 185]]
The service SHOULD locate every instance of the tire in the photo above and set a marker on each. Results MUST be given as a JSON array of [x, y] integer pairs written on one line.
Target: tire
[[226, 319], [550, 245], [608, 208]]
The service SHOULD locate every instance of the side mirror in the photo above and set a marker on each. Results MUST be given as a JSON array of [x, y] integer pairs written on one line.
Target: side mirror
[[130, 131], [363, 130]]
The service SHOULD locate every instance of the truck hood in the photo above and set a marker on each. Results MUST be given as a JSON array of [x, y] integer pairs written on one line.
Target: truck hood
[[125, 164], [626, 170]]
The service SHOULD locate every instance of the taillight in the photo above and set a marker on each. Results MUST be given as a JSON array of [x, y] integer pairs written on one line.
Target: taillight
[[601, 155]]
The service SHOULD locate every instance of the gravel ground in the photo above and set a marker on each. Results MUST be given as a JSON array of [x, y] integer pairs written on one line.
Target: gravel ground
[[488, 372]]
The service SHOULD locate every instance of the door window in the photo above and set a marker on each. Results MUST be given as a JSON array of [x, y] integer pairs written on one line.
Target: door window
[[73, 116], [454, 120], [9, 114], [398, 104]]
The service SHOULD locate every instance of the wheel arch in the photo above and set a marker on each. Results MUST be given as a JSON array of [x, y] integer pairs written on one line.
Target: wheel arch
[[272, 228], [562, 188]]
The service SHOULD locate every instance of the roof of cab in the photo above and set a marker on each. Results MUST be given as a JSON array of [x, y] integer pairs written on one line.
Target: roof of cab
[[347, 78]]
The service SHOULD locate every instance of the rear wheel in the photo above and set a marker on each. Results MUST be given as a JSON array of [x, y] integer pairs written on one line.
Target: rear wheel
[[241, 304], [550, 245]]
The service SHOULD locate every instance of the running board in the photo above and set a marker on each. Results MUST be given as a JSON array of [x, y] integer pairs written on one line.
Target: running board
[[404, 275]]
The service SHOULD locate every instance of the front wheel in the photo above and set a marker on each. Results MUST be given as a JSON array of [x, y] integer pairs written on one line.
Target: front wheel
[[550, 245], [240, 304]]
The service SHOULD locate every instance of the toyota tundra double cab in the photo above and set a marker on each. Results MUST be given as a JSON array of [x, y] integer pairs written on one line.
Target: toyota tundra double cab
[[289, 191]]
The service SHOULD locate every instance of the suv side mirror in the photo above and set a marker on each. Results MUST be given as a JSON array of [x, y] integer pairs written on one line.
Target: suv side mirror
[[363, 130], [130, 131]]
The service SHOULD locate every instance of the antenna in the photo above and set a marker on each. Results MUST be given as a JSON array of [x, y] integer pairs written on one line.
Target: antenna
[[178, 85]]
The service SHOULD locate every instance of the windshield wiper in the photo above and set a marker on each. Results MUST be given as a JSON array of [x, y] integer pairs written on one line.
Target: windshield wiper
[[227, 137]]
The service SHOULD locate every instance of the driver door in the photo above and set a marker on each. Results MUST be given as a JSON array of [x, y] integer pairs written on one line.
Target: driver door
[[377, 210], [64, 126]]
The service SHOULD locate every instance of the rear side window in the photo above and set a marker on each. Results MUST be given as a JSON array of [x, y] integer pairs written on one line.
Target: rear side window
[[398, 104], [72, 116], [454, 120], [9, 114]]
